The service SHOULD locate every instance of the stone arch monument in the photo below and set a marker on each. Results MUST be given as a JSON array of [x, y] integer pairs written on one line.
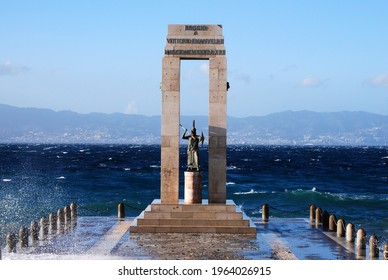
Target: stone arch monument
[[169, 214], [185, 42]]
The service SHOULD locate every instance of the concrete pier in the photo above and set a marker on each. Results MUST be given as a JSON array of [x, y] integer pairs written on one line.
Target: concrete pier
[[107, 238]]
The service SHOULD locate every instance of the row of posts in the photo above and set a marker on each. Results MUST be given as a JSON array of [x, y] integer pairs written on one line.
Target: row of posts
[[331, 223], [58, 223]]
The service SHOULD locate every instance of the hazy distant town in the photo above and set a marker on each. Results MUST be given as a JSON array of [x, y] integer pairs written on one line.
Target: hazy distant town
[[30, 125]]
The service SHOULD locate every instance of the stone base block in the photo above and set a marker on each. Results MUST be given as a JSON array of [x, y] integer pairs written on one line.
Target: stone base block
[[193, 218], [193, 187]]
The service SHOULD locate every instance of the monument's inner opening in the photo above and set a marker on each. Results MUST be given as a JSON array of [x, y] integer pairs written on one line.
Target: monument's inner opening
[[194, 88], [194, 105]]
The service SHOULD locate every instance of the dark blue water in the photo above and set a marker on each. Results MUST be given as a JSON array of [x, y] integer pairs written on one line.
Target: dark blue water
[[351, 182]]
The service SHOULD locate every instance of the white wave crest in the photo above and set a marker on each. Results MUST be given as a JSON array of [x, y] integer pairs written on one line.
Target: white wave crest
[[314, 189], [231, 167], [252, 191]]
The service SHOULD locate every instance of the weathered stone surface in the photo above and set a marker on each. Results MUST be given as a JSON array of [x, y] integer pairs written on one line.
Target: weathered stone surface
[[193, 187], [193, 42]]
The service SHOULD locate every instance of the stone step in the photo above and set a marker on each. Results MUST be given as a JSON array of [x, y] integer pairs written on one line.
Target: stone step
[[188, 229], [193, 208], [194, 215], [191, 222], [193, 218]]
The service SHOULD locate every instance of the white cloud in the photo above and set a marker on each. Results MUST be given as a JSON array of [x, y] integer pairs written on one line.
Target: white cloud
[[204, 68], [379, 80], [189, 74], [8, 68], [237, 75], [289, 67], [243, 77], [131, 108], [310, 82]]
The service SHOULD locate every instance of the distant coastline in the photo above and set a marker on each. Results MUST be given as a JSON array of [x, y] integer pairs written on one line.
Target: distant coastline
[[296, 128]]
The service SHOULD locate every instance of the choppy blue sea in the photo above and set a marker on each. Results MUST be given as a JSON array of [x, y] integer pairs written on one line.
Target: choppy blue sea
[[350, 182]]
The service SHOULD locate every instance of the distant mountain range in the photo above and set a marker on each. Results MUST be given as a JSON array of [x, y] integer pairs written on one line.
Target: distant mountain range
[[31, 125]]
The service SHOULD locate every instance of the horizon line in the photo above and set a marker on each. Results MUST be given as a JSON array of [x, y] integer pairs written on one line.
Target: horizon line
[[189, 115]]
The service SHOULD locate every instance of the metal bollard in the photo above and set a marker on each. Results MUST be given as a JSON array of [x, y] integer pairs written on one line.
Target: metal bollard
[[332, 223], [121, 210], [34, 232], [350, 233], [11, 243], [52, 220], [265, 213], [312, 212], [385, 251], [67, 213], [373, 247], [60, 221], [318, 216], [361, 239], [341, 228], [73, 211], [325, 220], [73, 214], [43, 232], [23, 237]]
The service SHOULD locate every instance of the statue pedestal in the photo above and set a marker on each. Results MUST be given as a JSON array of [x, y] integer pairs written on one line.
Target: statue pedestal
[[193, 187]]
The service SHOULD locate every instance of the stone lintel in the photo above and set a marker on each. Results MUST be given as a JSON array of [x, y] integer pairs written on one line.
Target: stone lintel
[[187, 41], [202, 30]]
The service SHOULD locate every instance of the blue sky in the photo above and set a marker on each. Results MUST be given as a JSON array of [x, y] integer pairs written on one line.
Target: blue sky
[[105, 56]]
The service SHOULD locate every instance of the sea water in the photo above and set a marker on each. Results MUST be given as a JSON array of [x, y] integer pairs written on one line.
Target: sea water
[[350, 182]]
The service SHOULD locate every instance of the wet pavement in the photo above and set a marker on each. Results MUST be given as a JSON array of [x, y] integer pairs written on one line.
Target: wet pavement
[[108, 238], [303, 239]]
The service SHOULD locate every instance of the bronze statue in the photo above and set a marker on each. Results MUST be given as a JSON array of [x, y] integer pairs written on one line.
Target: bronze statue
[[192, 148]]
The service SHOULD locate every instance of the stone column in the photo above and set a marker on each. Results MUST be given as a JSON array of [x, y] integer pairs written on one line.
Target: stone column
[[169, 192], [193, 187], [217, 129]]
